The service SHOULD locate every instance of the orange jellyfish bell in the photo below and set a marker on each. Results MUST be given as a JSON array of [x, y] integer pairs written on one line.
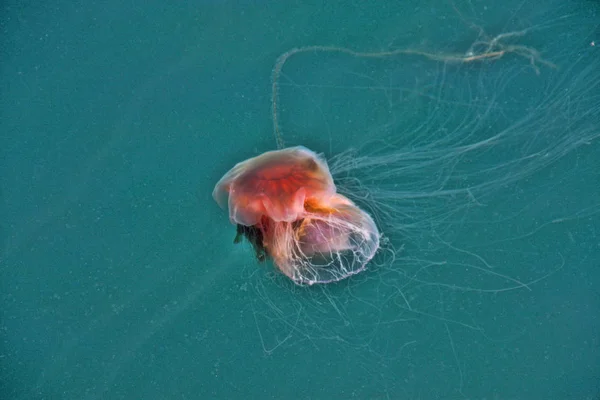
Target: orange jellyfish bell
[[285, 203], [274, 184]]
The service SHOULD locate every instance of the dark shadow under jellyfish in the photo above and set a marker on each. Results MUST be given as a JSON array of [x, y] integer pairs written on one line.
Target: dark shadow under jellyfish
[[286, 205]]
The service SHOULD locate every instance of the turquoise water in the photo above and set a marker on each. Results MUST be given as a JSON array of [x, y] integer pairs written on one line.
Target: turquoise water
[[119, 274]]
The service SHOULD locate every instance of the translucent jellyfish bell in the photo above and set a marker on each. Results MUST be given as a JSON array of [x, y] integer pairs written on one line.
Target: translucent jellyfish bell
[[331, 242], [285, 203]]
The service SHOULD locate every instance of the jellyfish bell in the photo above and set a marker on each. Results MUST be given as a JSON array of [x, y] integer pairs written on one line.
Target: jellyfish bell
[[285, 204], [274, 184]]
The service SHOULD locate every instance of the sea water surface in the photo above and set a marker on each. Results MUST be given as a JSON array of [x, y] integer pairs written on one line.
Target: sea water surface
[[118, 273]]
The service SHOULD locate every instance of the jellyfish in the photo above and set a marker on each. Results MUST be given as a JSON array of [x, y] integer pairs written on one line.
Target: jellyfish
[[438, 135], [285, 203], [478, 169]]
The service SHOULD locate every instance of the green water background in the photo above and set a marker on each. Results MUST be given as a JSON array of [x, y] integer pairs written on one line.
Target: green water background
[[119, 278]]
